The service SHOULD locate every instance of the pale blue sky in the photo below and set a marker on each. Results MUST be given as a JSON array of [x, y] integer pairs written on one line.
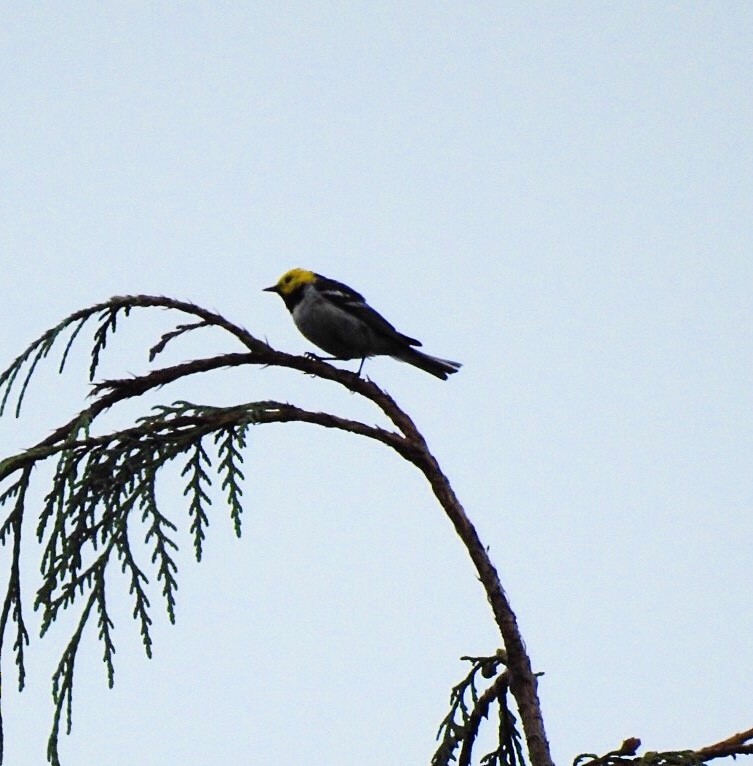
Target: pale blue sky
[[559, 195]]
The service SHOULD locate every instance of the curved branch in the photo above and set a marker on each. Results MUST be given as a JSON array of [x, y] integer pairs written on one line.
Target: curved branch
[[410, 445], [192, 426], [209, 317], [523, 684], [122, 388]]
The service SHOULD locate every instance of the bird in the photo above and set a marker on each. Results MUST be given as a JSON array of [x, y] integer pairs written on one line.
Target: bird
[[338, 320]]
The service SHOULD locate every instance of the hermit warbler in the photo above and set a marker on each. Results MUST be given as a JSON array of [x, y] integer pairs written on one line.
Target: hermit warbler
[[336, 318]]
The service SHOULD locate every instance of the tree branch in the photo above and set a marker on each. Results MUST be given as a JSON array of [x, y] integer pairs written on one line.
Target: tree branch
[[523, 685], [409, 443], [734, 745]]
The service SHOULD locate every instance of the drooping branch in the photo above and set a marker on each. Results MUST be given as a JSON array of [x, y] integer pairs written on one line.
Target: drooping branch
[[189, 427], [523, 685], [495, 693], [460, 727], [12, 608]]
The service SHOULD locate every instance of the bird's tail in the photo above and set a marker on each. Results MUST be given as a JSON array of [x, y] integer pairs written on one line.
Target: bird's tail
[[441, 368]]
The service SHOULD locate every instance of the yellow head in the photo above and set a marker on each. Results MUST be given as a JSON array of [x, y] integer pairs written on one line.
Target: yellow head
[[290, 281]]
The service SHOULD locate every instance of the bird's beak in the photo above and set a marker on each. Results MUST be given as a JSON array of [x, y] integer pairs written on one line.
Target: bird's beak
[[273, 289]]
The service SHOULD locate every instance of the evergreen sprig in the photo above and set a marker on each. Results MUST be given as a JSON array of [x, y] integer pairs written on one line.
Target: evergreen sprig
[[12, 604], [62, 683], [458, 730], [158, 534], [197, 481], [108, 314], [230, 441], [41, 347]]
